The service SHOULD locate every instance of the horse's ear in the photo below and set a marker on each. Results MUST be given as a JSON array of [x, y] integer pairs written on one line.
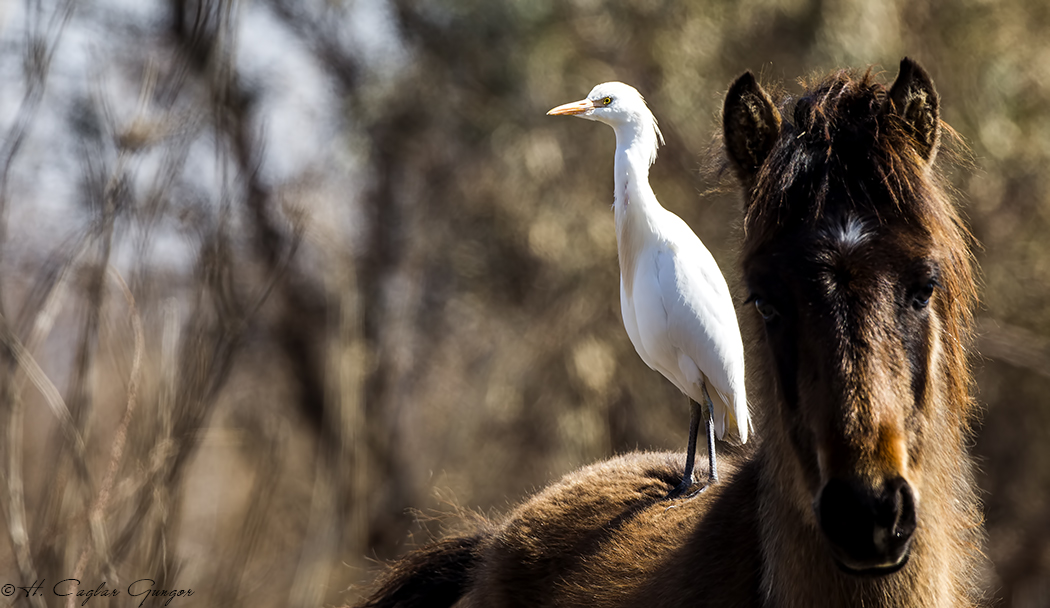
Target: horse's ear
[[751, 125], [913, 99]]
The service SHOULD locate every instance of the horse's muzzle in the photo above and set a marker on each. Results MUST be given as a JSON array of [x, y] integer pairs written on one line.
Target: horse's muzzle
[[869, 529]]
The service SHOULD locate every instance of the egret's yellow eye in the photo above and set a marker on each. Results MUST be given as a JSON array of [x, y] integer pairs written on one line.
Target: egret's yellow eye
[[607, 101]]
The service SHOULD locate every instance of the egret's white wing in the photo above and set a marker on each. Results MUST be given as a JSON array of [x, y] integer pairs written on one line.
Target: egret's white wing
[[646, 303], [702, 324]]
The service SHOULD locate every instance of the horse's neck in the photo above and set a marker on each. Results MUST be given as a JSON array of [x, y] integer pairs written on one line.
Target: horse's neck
[[798, 572]]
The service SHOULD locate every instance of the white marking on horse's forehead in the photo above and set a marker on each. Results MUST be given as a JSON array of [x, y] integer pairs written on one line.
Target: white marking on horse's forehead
[[849, 235]]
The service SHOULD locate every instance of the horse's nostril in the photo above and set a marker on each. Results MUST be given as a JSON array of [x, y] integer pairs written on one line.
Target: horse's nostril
[[904, 523], [868, 528], [844, 518]]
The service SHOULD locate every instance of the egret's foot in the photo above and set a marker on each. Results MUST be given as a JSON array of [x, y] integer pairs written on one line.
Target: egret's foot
[[683, 487], [701, 490]]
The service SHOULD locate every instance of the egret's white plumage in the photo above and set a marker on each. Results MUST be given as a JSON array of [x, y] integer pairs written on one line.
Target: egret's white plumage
[[675, 302]]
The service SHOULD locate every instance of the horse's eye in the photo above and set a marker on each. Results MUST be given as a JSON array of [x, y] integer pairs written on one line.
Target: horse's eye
[[767, 310], [922, 296]]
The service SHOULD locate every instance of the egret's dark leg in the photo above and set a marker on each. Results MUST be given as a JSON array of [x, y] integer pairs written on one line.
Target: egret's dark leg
[[712, 475], [687, 477]]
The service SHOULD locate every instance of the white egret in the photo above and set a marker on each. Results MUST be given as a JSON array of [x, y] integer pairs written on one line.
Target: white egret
[[675, 302]]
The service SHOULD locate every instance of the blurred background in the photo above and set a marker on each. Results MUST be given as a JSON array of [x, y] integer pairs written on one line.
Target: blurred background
[[288, 286]]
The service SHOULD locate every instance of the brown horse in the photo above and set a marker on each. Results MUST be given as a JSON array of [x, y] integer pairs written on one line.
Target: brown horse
[[860, 492]]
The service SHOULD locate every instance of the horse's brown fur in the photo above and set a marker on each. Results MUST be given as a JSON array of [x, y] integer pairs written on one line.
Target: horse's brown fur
[[859, 377]]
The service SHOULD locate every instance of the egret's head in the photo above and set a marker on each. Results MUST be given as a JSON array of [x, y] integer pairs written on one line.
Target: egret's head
[[614, 103]]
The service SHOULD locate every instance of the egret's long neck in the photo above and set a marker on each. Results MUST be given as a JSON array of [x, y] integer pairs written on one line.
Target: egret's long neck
[[635, 203]]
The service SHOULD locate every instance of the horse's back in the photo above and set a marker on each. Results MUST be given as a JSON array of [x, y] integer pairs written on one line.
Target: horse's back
[[604, 536]]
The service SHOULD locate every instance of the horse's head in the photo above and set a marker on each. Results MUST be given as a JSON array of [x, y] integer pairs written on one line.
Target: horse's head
[[859, 282]]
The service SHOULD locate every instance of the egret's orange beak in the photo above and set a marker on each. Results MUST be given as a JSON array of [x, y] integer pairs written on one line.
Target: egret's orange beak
[[571, 109]]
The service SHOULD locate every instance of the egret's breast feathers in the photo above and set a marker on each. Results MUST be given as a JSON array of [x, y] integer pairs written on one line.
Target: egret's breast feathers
[[628, 244]]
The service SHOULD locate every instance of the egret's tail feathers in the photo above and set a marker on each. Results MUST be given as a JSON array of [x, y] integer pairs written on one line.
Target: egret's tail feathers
[[736, 429], [729, 427]]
